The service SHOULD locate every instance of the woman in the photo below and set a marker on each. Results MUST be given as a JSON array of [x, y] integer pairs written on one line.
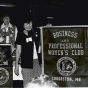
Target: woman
[[25, 46]]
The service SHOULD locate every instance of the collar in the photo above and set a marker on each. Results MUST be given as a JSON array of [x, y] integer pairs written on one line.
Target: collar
[[26, 32], [3, 26]]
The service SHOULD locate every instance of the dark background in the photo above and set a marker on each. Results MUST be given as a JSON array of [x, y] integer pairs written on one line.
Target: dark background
[[63, 12]]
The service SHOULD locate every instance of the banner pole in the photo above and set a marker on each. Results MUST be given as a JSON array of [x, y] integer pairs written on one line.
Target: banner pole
[[42, 54]]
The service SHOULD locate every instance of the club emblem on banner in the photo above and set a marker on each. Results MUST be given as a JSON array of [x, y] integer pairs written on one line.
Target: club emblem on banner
[[66, 66], [4, 76]]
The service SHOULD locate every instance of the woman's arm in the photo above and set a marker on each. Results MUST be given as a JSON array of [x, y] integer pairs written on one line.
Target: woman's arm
[[18, 53]]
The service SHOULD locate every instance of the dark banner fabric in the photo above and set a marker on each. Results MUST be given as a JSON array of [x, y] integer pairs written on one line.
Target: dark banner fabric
[[65, 54], [6, 68], [6, 77]]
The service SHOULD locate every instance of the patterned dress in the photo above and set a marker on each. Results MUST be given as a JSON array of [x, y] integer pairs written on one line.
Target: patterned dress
[[8, 36]]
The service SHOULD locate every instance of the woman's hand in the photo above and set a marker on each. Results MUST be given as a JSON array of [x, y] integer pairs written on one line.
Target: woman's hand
[[16, 70]]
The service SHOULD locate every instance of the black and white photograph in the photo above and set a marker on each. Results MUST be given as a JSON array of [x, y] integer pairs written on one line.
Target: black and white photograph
[[43, 44]]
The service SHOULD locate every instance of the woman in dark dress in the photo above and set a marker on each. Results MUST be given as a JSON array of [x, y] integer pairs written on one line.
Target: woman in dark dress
[[31, 68]]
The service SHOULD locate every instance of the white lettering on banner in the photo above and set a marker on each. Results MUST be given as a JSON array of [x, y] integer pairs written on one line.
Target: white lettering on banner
[[65, 52], [65, 33], [65, 46], [77, 52], [65, 40], [57, 52], [62, 49], [66, 79]]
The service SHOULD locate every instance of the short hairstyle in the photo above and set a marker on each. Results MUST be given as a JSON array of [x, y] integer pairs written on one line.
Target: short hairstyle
[[28, 20], [5, 17]]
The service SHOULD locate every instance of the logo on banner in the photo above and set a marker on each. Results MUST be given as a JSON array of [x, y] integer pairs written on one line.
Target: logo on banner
[[4, 76], [66, 66]]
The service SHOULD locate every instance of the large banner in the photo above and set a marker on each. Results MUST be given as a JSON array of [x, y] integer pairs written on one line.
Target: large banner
[[65, 54]]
